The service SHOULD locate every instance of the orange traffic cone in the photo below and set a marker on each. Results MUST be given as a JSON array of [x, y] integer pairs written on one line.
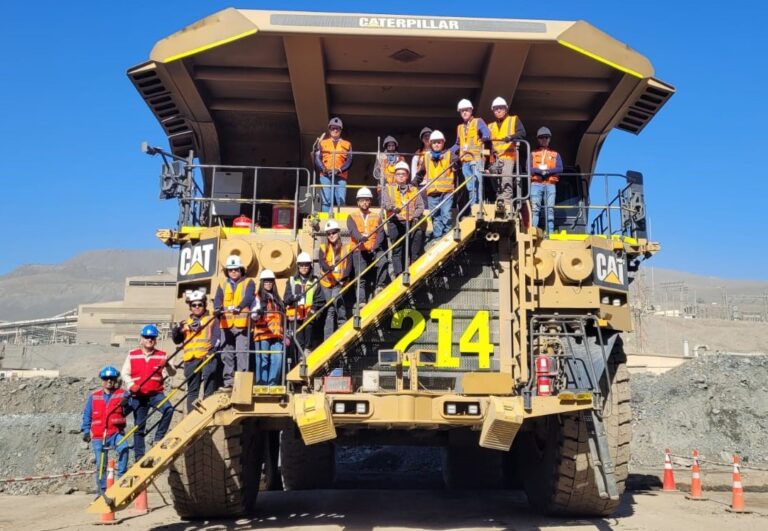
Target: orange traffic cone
[[695, 479], [669, 475], [141, 505], [737, 498], [109, 518]]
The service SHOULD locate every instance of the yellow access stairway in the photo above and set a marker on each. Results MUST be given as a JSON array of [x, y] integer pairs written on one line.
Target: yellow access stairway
[[419, 270], [160, 456]]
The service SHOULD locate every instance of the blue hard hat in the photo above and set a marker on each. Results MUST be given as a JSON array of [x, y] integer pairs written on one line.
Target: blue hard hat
[[109, 372], [149, 330]]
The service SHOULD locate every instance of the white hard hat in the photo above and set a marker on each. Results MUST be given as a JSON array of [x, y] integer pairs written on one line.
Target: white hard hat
[[233, 262], [436, 135], [543, 131], [196, 295], [499, 102], [364, 193], [464, 104], [402, 165], [267, 274], [331, 224], [303, 258]]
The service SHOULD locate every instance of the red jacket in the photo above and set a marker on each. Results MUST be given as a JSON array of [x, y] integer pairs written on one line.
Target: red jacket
[[107, 414]]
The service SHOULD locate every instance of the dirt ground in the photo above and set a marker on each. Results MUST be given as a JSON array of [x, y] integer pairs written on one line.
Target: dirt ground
[[402, 509]]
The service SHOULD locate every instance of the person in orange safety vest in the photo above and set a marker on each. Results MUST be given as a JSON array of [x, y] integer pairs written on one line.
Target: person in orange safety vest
[[471, 136], [384, 171], [546, 164], [367, 236], [404, 206], [232, 301], [202, 336], [439, 180], [335, 261], [268, 314], [506, 130], [333, 157]]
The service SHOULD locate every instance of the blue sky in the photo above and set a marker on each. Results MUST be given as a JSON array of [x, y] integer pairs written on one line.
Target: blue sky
[[74, 179]]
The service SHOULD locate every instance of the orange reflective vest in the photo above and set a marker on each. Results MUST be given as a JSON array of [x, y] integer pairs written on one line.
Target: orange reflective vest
[[147, 371], [234, 298], [201, 344], [387, 168], [399, 199], [328, 253], [499, 131], [334, 155], [269, 325], [470, 145], [366, 225], [439, 173], [301, 311], [544, 157]]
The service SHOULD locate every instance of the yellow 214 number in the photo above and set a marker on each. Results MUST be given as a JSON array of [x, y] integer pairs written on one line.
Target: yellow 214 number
[[480, 327]]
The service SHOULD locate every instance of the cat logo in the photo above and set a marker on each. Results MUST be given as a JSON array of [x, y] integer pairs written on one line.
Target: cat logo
[[610, 270], [197, 260]]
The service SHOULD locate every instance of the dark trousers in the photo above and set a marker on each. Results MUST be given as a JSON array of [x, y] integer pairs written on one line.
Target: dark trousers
[[376, 277], [336, 312], [140, 405], [395, 230], [207, 376]]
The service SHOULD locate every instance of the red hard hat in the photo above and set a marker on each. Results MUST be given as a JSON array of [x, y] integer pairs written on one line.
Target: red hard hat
[[242, 221]]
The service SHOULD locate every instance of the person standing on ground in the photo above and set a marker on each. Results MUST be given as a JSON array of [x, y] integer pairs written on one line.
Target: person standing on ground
[[404, 206], [332, 160], [336, 266], [471, 135], [232, 302], [367, 238], [104, 424], [268, 314], [506, 130], [440, 183], [546, 164], [202, 336], [144, 373]]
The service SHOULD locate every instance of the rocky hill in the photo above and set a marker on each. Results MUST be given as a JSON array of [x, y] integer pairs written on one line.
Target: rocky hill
[[40, 290]]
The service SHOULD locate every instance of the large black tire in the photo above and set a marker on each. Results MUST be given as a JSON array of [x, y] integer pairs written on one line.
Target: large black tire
[[554, 455], [472, 467], [218, 476], [306, 467]]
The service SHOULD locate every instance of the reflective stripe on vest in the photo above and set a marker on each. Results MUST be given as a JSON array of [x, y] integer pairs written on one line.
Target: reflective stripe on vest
[[504, 150], [142, 367], [329, 254], [388, 168], [470, 146], [199, 345], [109, 413], [334, 155], [301, 311], [367, 224], [269, 325], [544, 157], [399, 199], [440, 170], [229, 319]]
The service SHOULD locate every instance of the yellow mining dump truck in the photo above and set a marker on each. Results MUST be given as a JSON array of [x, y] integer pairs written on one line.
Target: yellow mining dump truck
[[501, 343]]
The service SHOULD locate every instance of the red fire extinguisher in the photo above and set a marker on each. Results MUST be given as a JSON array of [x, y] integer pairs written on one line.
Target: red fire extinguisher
[[543, 375]]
